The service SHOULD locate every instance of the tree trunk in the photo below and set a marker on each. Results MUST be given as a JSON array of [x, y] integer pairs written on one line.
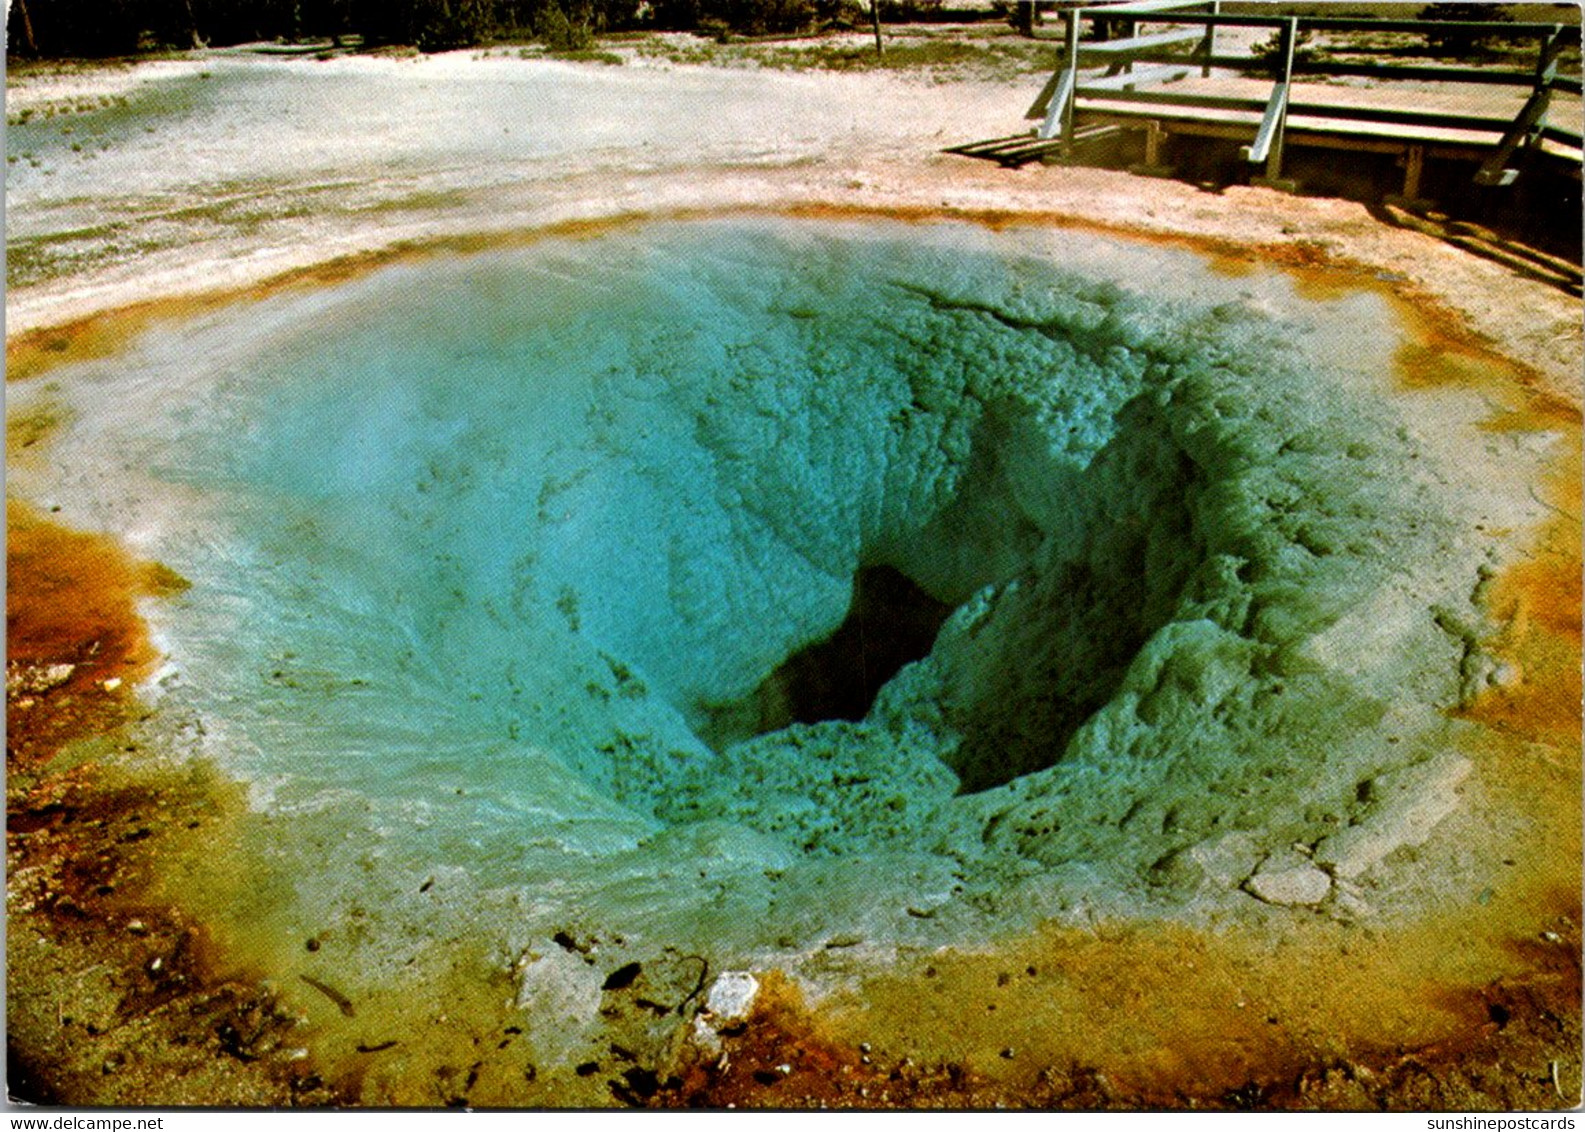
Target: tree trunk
[[197, 40], [27, 28], [875, 17]]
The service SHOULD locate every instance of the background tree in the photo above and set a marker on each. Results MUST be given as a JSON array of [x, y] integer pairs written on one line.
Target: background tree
[[1456, 44]]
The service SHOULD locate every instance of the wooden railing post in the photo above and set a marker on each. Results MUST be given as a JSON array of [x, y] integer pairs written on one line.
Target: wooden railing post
[[1413, 174], [1273, 124], [1059, 112], [1208, 45], [1024, 17], [1072, 48], [1531, 119], [1548, 48]]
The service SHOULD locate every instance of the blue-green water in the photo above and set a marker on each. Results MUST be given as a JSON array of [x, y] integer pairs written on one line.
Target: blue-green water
[[483, 548]]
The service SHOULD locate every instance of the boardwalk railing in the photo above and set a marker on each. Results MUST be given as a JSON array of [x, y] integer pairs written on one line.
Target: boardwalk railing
[[1139, 50]]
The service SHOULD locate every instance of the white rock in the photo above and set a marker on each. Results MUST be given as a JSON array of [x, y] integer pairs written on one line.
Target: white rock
[[1301, 884], [37, 678], [1226, 860], [1409, 804], [704, 1035], [57, 674], [731, 996], [1349, 904], [563, 994], [1364, 638]]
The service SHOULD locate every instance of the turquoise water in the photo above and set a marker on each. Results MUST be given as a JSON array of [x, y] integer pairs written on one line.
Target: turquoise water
[[484, 549]]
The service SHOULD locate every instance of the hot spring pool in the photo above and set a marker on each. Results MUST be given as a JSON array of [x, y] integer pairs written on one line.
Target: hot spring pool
[[741, 585]]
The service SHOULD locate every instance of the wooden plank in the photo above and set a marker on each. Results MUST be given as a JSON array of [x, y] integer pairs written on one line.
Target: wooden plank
[[1344, 112], [1155, 137], [1188, 123], [1483, 77], [1548, 57], [1181, 122], [1021, 149], [1564, 134], [1231, 62], [1334, 23], [1189, 101], [1219, 19], [1421, 27], [1398, 116], [1014, 146], [1138, 7], [1133, 79], [1491, 77], [1128, 48], [990, 143]]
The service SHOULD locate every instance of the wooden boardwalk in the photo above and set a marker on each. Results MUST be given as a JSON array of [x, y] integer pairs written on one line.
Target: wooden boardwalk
[[1164, 69]]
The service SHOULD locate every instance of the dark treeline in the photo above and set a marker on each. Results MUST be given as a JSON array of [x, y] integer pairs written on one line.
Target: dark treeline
[[98, 28]]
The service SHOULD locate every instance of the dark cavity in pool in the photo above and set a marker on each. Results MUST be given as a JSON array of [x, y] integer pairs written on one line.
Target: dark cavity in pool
[[891, 622]]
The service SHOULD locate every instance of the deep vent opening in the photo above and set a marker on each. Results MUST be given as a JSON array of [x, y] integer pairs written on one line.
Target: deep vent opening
[[891, 622], [1067, 623]]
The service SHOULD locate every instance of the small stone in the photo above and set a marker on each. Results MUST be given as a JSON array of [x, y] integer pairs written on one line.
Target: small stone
[[111, 684], [706, 1038], [137, 927], [1349, 903], [30, 678], [1222, 862]]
